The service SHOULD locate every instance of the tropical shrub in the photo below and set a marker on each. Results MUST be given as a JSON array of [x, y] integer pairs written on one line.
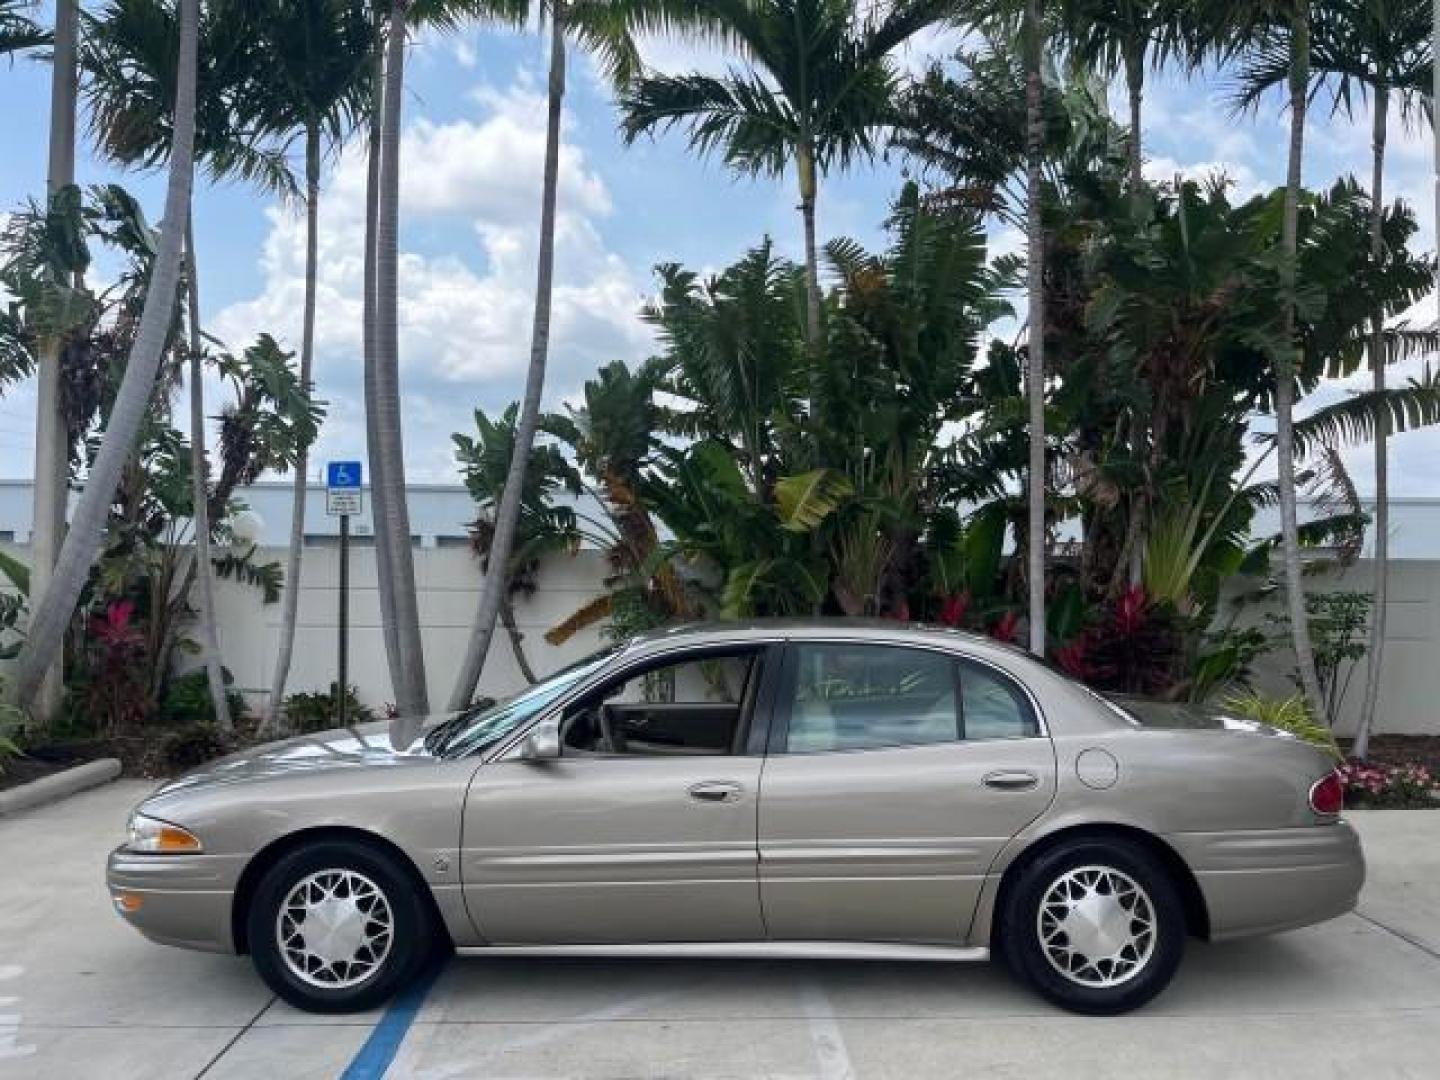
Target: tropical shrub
[[307, 712], [12, 721], [193, 746], [186, 701], [1288, 714]]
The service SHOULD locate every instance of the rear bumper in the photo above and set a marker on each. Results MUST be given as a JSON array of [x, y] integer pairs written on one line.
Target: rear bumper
[[1261, 881], [182, 900]]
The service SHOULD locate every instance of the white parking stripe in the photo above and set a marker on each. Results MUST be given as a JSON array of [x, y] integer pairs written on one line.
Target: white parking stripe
[[830, 1053], [10, 1046]]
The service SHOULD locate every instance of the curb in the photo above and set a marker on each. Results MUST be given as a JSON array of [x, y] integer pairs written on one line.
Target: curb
[[49, 788]]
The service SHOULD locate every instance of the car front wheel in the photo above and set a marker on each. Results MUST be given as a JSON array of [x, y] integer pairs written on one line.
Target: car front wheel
[[1096, 927], [338, 926]]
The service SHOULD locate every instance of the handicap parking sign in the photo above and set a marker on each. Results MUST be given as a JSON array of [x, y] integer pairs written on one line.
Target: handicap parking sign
[[342, 488]]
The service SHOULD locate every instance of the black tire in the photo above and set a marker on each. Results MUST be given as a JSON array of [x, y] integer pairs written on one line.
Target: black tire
[[344, 865], [1141, 972]]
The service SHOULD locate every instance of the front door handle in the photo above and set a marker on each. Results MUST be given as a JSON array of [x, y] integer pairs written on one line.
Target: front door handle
[[1011, 780], [715, 791]]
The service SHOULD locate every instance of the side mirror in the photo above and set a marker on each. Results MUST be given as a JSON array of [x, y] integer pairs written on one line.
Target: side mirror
[[543, 742]]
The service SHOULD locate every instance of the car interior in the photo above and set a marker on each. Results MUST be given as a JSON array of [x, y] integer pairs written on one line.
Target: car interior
[[698, 705]]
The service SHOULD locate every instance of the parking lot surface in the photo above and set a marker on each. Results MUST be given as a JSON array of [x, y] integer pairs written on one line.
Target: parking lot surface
[[82, 995]]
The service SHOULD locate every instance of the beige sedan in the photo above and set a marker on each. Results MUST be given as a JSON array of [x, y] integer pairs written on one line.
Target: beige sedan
[[845, 789]]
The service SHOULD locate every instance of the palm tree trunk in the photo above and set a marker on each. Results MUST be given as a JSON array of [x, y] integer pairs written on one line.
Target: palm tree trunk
[[378, 482], [290, 602], [200, 493], [82, 544], [507, 516], [1035, 338], [805, 167], [1285, 375], [52, 449], [1135, 87], [517, 640], [1375, 668], [392, 525]]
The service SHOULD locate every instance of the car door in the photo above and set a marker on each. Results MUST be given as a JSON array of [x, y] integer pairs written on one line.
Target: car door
[[648, 838], [895, 776]]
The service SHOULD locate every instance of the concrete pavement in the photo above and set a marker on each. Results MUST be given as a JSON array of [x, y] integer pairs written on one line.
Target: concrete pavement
[[81, 995]]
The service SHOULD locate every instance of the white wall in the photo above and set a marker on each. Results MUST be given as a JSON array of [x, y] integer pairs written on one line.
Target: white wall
[[448, 583], [1409, 700], [448, 580]]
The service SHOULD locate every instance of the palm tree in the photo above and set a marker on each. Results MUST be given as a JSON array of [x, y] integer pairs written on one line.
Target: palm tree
[[310, 82], [399, 615], [604, 26], [1383, 47], [820, 87], [1114, 36], [52, 454], [82, 543], [1033, 40], [19, 33], [392, 518], [129, 62], [1227, 29]]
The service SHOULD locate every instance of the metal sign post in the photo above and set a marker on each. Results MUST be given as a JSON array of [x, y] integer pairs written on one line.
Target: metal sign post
[[343, 498]]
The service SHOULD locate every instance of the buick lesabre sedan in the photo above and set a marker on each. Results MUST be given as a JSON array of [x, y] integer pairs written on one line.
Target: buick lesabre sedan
[[782, 789]]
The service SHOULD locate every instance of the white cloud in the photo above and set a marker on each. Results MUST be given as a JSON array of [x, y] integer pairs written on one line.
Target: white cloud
[[470, 207], [1244, 182]]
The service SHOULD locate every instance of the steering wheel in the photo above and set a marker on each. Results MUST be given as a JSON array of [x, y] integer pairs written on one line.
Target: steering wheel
[[612, 740]]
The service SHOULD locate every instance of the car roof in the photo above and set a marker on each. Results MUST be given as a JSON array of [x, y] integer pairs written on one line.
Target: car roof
[[890, 631]]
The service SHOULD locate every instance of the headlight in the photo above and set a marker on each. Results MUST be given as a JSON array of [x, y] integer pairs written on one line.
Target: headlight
[[153, 836]]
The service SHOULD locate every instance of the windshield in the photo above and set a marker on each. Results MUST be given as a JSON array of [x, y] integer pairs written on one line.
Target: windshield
[[478, 728]]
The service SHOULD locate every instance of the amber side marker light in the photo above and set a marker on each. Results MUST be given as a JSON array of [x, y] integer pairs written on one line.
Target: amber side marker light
[[128, 902]]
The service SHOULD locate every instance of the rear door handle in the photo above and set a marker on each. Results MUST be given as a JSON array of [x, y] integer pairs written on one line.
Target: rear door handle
[[1011, 781], [715, 791]]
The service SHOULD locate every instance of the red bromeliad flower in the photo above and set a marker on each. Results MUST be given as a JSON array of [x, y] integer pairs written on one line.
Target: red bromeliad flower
[[1073, 658], [952, 611], [1007, 628], [1130, 611], [113, 627]]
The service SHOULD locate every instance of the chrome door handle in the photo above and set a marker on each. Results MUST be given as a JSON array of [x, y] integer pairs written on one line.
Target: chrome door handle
[[1011, 781], [715, 791]]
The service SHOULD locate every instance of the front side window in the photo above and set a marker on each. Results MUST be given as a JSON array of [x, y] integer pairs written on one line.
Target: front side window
[[691, 705], [857, 697]]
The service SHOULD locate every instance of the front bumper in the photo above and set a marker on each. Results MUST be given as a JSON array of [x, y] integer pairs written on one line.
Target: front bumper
[[1261, 881], [183, 900]]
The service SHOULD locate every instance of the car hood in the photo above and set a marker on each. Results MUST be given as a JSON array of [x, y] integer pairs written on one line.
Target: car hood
[[378, 744], [1184, 716]]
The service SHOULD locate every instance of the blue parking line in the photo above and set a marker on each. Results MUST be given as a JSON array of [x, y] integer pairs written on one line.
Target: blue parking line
[[384, 1042]]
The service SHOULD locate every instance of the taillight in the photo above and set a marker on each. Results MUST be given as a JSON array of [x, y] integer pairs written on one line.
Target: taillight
[[1327, 795]]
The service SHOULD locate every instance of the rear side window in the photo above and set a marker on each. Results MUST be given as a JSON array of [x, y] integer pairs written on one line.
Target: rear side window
[[992, 706], [858, 697], [863, 697]]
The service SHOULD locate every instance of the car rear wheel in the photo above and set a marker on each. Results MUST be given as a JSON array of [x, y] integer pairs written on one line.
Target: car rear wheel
[[338, 926], [1095, 926]]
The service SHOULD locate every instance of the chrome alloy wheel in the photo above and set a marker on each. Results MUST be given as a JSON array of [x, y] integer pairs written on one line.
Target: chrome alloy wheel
[[334, 929], [1096, 926]]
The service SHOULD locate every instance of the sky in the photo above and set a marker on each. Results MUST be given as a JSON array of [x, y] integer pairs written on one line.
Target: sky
[[470, 201]]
